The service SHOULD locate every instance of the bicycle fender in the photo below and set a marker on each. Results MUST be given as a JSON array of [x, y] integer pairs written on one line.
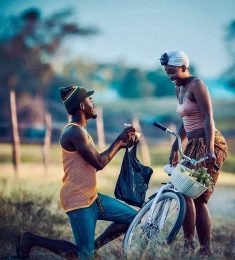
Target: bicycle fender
[[154, 195]]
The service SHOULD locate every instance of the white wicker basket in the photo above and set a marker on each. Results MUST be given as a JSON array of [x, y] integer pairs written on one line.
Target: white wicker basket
[[186, 184]]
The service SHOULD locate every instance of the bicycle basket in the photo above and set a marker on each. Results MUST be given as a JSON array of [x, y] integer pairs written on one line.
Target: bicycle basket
[[186, 184]]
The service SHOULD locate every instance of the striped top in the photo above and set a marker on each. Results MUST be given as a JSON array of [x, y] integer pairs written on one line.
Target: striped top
[[79, 180]]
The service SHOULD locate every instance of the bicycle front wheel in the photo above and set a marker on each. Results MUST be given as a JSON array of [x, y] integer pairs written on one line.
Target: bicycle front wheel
[[167, 218]]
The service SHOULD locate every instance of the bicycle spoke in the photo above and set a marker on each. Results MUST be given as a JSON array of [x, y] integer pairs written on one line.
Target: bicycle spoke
[[149, 232]]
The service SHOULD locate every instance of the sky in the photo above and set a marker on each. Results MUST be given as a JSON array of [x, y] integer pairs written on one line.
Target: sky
[[139, 31]]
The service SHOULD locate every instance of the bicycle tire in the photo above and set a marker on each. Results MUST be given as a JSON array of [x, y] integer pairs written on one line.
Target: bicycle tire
[[181, 209]]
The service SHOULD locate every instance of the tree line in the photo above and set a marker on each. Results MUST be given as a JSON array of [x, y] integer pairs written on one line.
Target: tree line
[[30, 41]]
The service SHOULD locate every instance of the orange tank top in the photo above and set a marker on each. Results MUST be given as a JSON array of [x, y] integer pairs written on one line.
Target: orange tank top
[[192, 117], [79, 189]]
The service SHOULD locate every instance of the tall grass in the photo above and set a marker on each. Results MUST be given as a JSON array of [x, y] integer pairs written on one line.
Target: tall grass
[[30, 202]]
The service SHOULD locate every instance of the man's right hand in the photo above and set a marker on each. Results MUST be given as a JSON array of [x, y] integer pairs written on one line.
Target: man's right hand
[[127, 133], [130, 142], [127, 137]]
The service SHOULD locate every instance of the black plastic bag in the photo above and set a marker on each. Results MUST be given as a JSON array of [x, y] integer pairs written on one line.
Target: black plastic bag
[[133, 179]]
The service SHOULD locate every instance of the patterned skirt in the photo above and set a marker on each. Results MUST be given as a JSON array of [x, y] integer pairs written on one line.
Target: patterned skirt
[[196, 148]]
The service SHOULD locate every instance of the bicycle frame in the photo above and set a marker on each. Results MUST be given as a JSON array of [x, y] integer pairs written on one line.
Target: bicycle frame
[[152, 212], [159, 212], [155, 200]]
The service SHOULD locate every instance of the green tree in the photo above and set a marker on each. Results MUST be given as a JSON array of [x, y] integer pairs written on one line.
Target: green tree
[[162, 85], [27, 44], [229, 74], [135, 84]]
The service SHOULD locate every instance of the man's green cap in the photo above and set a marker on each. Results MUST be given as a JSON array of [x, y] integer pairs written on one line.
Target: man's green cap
[[72, 96]]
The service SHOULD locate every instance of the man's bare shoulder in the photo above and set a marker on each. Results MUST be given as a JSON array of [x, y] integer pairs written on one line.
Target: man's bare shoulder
[[72, 134]]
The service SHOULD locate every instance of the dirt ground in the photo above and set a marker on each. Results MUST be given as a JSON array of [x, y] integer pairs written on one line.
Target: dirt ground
[[222, 203]]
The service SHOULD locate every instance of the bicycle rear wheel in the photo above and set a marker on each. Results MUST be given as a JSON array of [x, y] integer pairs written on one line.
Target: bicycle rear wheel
[[167, 219]]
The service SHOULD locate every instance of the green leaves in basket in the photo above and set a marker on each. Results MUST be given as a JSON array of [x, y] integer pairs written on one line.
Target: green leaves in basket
[[203, 177], [200, 176]]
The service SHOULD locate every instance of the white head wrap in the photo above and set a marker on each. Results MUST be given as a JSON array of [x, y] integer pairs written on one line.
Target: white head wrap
[[178, 58]]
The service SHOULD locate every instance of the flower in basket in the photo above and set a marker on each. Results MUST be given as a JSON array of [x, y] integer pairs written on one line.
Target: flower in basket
[[202, 177]]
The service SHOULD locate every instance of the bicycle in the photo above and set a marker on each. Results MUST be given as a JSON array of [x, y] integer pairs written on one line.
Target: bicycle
[[160, 219]]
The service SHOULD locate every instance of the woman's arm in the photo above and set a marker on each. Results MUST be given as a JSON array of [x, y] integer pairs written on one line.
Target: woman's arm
[[202, 97], [182, 134], [174, 154]]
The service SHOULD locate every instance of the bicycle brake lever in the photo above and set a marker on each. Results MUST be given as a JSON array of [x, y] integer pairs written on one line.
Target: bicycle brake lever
[[216, 166], [195, 162]]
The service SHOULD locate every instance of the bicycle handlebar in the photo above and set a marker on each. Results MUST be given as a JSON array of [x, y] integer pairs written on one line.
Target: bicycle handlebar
[[191, 161], [204, 158], [160, 126], [165, 129]]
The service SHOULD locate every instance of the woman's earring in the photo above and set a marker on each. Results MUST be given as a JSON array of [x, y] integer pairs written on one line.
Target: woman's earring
[[82, 106], [184, 68]]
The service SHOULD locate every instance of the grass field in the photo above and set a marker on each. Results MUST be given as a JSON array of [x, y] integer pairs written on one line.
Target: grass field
[[30, 202], [32, 153]]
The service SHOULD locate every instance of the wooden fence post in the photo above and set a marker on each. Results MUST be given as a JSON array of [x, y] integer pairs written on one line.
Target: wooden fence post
[[47, 139], [143, 144], [100, 128], [15, 133]]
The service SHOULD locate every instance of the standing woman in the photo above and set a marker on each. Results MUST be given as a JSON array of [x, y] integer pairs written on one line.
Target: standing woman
[[195, 108]]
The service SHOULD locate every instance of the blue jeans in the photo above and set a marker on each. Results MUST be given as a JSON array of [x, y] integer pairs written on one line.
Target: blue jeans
[[83, 221]]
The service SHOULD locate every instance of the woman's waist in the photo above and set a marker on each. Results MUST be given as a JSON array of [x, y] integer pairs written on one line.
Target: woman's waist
[[200, 132], [197, 133]]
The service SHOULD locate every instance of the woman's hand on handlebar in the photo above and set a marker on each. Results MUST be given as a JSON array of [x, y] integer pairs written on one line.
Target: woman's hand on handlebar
[[211, 158], [174, 157], [174, 154]]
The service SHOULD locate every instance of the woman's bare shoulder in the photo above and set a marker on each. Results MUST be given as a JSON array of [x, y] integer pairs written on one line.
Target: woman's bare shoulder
[[197, 85]]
